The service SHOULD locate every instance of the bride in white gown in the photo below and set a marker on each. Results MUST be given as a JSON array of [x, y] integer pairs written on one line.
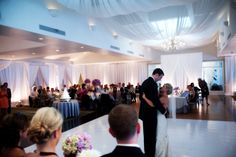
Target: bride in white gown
[[162, 142]]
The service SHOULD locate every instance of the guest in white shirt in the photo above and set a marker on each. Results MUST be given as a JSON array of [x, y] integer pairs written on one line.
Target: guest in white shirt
[[34, 92]]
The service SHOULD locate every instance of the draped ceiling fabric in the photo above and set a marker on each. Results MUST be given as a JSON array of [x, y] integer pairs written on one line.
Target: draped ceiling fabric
[[152, 22], [182, 69]]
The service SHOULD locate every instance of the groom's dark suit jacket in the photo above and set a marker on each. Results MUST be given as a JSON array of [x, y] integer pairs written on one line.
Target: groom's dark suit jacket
[[149, 115], [125, 151]]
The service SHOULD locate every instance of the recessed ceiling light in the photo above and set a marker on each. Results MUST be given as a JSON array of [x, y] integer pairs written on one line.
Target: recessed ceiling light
[[33, 53], [81, 47], [40, 38], [57, 50]]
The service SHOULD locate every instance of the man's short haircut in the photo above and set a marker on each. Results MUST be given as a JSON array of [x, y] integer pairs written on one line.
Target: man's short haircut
[[158, 71], [123, 120]]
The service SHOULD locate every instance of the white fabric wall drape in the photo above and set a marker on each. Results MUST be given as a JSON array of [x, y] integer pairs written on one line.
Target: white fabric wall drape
[[16, 74], [230, 74], [76, 71], [182, 69], [53, 75], [33, 71], [113, 73], [44, 69], [21, 75]]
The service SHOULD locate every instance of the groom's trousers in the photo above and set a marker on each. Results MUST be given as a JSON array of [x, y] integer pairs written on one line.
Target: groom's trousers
[[149, 130]]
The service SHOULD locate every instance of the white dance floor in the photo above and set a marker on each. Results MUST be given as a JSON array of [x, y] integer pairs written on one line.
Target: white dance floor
[[188, 138]]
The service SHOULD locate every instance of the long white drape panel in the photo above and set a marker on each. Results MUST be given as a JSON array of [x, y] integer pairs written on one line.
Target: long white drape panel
[[114, 73], [53, 75], [44, 69], [16, 74], [230, 74], [33, 71], [182, 69], [65, 75], [68, 74], [76, 71]]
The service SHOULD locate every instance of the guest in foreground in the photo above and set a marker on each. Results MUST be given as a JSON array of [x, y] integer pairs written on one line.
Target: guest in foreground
[[45, 131], [12, 129], [124, 126]]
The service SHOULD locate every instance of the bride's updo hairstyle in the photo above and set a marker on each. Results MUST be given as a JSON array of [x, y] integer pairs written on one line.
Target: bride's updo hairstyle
[[45, 121]]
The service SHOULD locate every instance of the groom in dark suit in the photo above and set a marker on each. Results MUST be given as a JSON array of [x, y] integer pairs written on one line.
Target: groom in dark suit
[[148, 112], [124, 126]]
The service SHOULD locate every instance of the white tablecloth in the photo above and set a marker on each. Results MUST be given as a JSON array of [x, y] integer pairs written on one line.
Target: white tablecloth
[[177, 103], [67, 109]]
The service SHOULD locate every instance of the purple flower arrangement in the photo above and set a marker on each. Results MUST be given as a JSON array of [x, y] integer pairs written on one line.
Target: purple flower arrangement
[[87, 80], [76, 143], [96, 82]]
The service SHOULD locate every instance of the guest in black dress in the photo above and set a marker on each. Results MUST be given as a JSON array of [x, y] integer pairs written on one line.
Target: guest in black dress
[[204, 89]]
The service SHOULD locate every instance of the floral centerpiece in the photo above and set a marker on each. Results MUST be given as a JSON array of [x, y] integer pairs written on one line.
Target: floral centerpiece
[[79, 145], [87, 81], [96, 82], [176, 90]]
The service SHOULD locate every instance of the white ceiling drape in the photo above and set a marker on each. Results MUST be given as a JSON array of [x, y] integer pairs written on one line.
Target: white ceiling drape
[[152, 22]]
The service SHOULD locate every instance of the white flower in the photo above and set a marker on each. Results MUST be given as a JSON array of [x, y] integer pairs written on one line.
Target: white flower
[[89, 153]]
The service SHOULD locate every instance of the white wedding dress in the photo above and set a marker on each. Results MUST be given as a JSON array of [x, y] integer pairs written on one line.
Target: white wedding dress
[[162, 143]]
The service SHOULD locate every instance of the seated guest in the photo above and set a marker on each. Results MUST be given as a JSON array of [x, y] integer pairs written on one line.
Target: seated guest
[[45, 131], [12, 130], [124, 126], [191, 97], [196, 90]]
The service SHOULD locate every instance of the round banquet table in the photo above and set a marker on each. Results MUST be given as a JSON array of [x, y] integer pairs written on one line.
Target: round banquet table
[[67, 109]]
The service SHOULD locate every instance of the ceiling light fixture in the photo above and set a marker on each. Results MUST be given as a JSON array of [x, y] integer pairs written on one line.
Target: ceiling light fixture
[[173, 44], [81, 47], [57, 50], [91, 26], [40, 38], [115, 35], [33, 53]]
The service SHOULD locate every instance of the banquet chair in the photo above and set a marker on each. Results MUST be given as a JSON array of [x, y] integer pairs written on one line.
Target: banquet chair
[[106, 103], [194, 102]]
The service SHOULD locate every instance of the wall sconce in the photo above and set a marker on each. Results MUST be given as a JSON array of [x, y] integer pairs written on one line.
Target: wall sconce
[[115, 35], [91, 26]]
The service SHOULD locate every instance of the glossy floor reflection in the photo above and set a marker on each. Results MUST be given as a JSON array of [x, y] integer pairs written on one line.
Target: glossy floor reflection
[[188, 138], [222, 108]]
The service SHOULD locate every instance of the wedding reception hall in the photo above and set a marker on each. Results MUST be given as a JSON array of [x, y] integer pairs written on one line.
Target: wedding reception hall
[[83, 57]]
